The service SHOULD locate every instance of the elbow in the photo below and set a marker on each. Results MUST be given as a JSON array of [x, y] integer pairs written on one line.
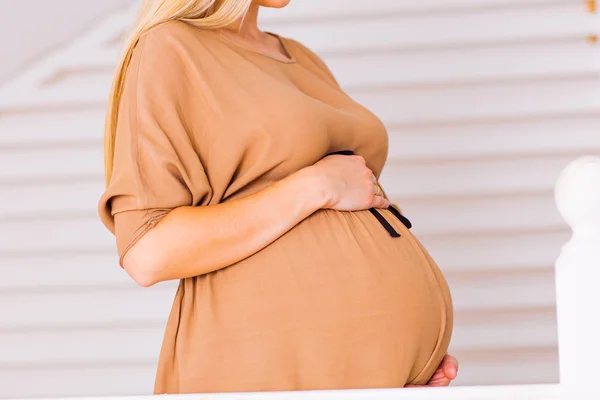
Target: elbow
[[143, 267], [142, 278]]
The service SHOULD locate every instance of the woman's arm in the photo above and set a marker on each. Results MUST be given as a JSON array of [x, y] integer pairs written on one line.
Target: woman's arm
[[192, 241]]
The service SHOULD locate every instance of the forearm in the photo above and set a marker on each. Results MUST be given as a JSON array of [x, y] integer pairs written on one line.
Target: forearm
[[192, 241]]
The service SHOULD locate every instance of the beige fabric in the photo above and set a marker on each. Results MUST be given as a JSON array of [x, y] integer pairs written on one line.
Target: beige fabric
[[334, 303]]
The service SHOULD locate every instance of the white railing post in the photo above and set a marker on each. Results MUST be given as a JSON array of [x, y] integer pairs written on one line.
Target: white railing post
[[578, 274]]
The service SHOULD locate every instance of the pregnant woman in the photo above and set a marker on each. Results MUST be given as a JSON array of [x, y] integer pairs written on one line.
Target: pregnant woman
[[237, 165]]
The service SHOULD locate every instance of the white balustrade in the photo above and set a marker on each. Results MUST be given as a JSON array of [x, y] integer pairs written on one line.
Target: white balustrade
[[578, 274]]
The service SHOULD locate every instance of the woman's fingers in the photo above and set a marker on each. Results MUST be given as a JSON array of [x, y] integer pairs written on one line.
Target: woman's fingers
[[444, 375], [380, 202], [446, 372], [441, 380], [449, 366], [433, 382], [351, 184]]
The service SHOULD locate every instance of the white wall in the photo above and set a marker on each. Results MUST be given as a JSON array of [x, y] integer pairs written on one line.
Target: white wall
[[485, 103]]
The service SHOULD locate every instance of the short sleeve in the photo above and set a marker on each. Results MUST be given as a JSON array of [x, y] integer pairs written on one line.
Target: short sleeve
[[156, 168]]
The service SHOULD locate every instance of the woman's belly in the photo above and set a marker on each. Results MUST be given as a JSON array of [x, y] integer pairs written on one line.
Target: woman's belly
[[335, 303]]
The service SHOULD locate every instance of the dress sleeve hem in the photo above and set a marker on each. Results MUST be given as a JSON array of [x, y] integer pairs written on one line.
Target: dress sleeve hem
[[150, 223]]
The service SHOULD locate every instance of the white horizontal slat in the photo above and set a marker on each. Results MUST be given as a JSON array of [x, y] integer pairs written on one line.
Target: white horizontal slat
[[515, 61], [65, 308], [131, 305], [54, 126], [309, 9], [527, 289], [93, 81], [552, 136], [494, 251], [480, 177], [141, 344], [443, 29], [496, 213], [78, 380], [502, 100], [61, 162], [104, 58], [488, 330], [62, 346], [30, 272], [516, 367], [50, 235], [76, 198]]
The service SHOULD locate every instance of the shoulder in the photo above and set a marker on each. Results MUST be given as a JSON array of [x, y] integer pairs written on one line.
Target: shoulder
[[167, 47], [172, 33], [171, 42]]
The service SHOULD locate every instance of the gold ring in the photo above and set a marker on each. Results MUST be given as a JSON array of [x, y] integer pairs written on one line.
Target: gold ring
[[377, 189]]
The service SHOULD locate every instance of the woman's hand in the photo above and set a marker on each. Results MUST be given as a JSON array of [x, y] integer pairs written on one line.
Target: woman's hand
[[446, 373], [349, 184]]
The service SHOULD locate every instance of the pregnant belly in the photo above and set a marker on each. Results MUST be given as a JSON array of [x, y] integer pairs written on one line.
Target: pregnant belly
[[334, 303]]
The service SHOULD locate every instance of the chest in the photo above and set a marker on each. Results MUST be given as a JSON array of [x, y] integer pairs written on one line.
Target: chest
[[283, 119]]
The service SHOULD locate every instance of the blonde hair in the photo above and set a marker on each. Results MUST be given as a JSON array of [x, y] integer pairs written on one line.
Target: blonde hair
[[207, 14]]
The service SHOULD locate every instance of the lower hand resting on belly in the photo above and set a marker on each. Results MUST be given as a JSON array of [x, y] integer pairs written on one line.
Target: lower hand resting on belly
[[446, 373]]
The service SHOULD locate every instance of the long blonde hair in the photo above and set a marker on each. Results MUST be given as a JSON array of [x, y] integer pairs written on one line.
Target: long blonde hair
[[207, 14]]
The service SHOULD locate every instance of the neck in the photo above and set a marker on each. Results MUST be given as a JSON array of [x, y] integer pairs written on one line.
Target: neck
[[248, 25]]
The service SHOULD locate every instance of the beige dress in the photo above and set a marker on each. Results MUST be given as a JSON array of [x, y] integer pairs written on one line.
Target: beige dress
[[344, 299]]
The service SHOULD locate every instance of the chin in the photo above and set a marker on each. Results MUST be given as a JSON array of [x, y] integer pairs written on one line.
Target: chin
[[272, 3]]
